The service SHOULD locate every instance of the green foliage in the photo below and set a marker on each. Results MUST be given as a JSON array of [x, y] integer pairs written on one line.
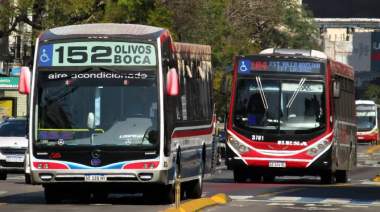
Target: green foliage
[[373, 93]]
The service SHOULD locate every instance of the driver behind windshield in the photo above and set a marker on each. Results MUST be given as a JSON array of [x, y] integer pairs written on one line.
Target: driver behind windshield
[[140, 105]]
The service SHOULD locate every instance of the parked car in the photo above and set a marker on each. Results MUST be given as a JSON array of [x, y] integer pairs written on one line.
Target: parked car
[[13, 145]]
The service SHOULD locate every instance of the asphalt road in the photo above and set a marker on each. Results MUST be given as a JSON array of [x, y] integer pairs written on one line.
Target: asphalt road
[[285, 194]]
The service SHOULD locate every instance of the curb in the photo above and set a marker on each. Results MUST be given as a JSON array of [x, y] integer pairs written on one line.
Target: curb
[[373, 149], [197, 204]]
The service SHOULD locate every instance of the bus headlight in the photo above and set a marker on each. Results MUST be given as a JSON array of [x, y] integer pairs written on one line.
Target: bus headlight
[[235, 144], [318, 148], [243, 149], [238, 146], [374, 132]]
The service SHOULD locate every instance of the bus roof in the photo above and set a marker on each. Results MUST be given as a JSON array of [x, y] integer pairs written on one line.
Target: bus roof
[[364, 102], [107, 30]]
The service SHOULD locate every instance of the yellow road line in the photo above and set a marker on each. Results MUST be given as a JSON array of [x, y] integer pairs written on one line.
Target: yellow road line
[[371, 150], [280, 192], [2, 203]]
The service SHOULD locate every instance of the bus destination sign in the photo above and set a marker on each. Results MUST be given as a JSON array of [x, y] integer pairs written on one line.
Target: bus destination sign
[[97, 53], [365, 107], [248, 66]]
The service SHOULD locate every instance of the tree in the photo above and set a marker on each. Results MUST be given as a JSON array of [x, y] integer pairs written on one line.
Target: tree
[[273, 23], [221, 101], [373, 93]]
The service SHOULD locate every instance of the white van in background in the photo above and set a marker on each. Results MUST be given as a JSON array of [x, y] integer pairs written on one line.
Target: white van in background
[[13, 145]]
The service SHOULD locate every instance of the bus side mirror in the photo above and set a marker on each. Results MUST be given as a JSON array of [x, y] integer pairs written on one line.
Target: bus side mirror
[[172, 82], [224, 85], [24, 81], [336, 89]]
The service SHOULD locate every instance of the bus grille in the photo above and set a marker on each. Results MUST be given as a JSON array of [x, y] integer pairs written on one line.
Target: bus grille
[[3, 163], [13, 151]]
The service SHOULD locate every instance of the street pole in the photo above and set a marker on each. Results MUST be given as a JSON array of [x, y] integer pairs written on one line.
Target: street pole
[[177, 193]]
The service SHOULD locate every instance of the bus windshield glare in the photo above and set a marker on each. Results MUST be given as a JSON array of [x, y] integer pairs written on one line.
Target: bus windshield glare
[[366, 117], [260, 107]]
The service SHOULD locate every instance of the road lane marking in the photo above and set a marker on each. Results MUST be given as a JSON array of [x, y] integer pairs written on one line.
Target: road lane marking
[[371, 150], [281, 204], [355, 206], [2, 204], [3, 192], [281, 192], [336, 201]]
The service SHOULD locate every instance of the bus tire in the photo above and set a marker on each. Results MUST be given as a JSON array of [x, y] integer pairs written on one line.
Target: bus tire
[[327, 177], [168, 196], [239, 175], [28, 180], [3, 176], [194, 188], [52, 196], [341, 176]]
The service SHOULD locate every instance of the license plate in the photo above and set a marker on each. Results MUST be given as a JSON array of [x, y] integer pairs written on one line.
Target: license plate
[[95, 178], [18, 159], [277, 164], [361, 137]]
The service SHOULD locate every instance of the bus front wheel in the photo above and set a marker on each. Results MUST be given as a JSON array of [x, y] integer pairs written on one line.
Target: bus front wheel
[[3, 176], [52, 196], [194, 188], [239, 175], [327, 177], [28, 180], [341, 176]]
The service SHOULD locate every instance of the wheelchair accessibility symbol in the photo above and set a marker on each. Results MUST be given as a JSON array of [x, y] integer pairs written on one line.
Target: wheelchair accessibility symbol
[[243, 66], [44, 57]]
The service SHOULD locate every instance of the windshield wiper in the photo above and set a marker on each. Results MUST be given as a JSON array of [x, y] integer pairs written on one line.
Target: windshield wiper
[[69, 77], [296, 92], [263, 99]]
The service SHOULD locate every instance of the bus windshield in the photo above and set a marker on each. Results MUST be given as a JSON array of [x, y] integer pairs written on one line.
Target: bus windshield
[[97, 108], [366, 120], [296, 108]]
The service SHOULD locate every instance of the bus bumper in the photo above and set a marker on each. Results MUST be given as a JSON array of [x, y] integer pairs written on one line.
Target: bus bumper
[[367, 137], [293, 168], [148, 176]]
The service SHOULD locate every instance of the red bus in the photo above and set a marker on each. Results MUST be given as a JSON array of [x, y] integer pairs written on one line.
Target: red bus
[[292, 113]]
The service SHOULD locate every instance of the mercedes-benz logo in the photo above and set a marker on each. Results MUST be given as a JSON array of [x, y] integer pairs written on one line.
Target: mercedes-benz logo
[[95, 153]]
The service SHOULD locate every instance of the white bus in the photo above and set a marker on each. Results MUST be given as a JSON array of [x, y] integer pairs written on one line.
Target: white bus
[[119, 108], [367, 121]]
